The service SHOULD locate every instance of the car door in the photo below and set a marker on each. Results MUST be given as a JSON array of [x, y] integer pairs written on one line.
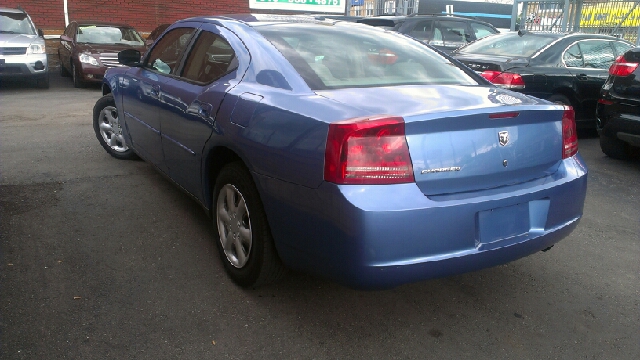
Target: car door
[[590, 67], [143, 98], [65, 48], [210, 70], [423, 30]]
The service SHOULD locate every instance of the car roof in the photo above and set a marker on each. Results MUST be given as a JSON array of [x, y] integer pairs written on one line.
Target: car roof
[[10, 10]]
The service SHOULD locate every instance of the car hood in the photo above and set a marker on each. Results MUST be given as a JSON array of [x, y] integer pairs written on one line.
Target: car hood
[[17, 40], [413, 100], [106, 48]]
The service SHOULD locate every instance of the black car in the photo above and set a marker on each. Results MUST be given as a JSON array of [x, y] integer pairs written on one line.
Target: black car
[[618, 110], [446, 33], [564, 68]]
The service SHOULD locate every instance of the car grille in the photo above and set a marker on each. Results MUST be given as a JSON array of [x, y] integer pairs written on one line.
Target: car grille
[[110, 60], [13, 50]]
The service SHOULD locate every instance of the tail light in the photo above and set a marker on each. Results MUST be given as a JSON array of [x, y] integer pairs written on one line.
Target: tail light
[[569, 134], [368, 151], [622, 68], [504, 79]]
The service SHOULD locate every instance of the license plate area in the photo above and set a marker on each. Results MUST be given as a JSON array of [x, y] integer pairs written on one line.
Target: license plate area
[[501, 224]]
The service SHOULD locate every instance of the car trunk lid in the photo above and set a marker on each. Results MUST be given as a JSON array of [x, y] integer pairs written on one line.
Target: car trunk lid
[[464, 139]]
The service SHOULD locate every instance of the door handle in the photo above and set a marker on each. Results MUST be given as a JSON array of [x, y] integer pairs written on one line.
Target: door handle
[[155, 91], [200, 109], [582, 77]]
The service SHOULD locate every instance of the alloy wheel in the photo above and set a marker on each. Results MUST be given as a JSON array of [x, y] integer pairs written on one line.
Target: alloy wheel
[[111, 130], [234, 225]]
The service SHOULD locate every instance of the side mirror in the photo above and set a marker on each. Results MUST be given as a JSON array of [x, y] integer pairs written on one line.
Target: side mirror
[[129, 57], [40, 33], [65, 38]]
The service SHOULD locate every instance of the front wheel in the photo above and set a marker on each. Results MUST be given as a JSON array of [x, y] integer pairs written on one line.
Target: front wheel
[[77, 78], [106, 125], [244, 238]]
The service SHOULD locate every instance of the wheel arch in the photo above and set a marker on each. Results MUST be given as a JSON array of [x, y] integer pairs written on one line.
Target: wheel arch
[[568, 93], [215, 160]]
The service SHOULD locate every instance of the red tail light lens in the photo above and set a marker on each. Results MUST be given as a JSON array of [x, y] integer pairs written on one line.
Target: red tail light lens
[[368, 151], [622, 68], [504, 79], [569, 134]]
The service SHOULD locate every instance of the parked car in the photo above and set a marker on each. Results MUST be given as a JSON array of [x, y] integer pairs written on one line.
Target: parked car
[[443, 32], [343, 150], [618, 110], [88, 48], [155, 34], [23, 53], [565, 68]]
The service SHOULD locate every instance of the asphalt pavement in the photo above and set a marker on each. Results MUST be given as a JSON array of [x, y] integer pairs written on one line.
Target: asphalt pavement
[[106, 259]]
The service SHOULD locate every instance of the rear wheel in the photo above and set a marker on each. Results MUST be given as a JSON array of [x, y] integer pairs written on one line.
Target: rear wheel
[[244, 238], [106, 125], [613, 148], [77, 78], [63, 70]]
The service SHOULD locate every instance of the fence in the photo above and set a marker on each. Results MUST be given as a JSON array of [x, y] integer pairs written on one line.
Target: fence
[[613, 17], [381, 7]]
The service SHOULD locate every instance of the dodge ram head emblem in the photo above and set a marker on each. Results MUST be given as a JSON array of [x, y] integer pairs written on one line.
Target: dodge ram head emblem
[[503, 137]]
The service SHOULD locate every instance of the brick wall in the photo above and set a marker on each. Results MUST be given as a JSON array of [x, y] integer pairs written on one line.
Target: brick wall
[[144, 15]]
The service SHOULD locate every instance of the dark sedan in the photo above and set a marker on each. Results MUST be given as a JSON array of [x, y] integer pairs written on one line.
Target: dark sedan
[[443, 32], [618, 109], [564, 68], [88, 49]]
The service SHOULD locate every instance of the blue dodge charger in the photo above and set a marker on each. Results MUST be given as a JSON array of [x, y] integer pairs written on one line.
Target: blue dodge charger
[[343, 150]]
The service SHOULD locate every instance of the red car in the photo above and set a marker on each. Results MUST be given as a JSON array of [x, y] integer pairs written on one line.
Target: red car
[[88, 48]]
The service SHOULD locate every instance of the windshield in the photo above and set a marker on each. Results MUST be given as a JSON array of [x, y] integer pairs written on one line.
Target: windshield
[[510, 44], [16, 23], [108, 35], [346, 55]]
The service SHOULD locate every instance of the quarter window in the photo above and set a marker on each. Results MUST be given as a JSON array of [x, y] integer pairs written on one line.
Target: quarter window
[[164, 57], [211, 58], [451, 33], [621, 47]]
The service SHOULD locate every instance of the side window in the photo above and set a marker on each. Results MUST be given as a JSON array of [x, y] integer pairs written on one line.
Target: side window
[[453, 32], [164, 57], [422, 30], [597, 54], [211, 58], [573, 56], [481, 30], [621, 47]]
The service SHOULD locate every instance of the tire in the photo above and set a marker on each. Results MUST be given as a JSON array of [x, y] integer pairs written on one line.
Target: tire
[[63, 70], [77, 82], [243, 238], [560, 99], [613, 148], [108, 129], [43, 82]]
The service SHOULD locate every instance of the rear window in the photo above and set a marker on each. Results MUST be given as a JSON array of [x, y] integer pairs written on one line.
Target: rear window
[[343, 56], [510, 44]]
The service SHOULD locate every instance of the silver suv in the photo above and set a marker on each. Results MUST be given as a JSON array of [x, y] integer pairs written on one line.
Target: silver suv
[[22, 50]]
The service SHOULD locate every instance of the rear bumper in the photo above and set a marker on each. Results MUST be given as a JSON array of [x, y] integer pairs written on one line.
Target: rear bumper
[[620, 121], [384, 236]]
